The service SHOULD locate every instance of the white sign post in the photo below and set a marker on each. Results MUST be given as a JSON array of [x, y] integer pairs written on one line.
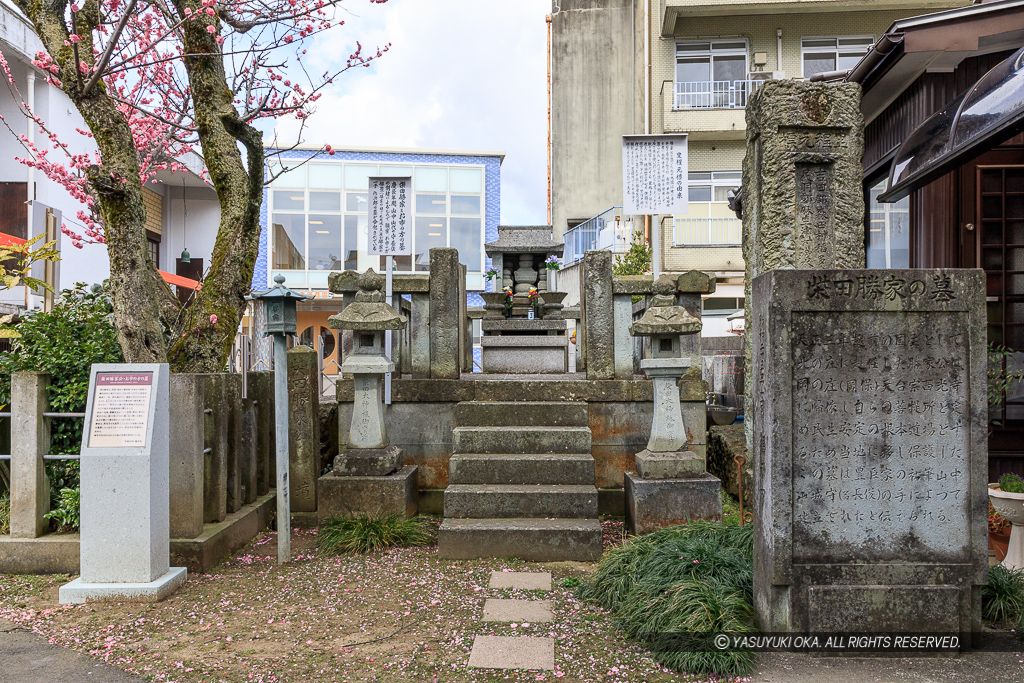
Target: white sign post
[[390, 235], [654, 181], [125, 501]]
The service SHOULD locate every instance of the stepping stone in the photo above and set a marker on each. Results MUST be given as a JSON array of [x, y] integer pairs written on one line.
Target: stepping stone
[[526, 581], [518, 610], [500, 652]]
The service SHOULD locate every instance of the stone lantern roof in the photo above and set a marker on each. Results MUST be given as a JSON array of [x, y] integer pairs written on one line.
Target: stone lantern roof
[[663, 316], [525, 239], [369, 312]]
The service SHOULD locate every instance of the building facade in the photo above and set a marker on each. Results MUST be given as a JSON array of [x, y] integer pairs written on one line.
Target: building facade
[[687, 66], [315, 213]]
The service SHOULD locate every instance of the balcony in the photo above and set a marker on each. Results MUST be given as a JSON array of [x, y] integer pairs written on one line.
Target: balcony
[[713, 94], [708, 232], [607, 230]]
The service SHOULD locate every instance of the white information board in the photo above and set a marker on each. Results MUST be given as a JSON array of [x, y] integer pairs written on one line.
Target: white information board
[[654, 175], [120, 409], [390, 222]]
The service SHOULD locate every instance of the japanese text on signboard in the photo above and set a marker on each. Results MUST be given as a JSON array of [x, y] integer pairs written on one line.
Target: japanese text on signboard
[[654, 174], [389, 216], [120, 409]]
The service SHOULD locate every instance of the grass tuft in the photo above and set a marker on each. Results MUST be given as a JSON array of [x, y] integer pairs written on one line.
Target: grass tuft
[[370, 533], [1003, 598], [5, 514], [691, 579]]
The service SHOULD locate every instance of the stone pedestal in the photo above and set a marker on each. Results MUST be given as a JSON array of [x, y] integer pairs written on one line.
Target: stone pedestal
[[125, 539], [303, 428], [652, 504], [519, 346], [345, 496]]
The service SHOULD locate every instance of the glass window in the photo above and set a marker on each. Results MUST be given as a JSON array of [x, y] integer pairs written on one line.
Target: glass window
[[465, 205], [289, 200], [325, 176], [431, 179], [357, 177], [355, 226], [888, 231], [325, 201], [713, 186], [700, 193], [467, 238], [819, 55], [292, 174], [357, 201], [466, 180], [431, 203], [289, 241], [395, 171], [704, 62], [324, 242], [429, 232], [401, 264]]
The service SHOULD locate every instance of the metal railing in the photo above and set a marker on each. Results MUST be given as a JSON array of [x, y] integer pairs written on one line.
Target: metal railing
[[50, 456], [713, 94], [607, 230], [708, 231]]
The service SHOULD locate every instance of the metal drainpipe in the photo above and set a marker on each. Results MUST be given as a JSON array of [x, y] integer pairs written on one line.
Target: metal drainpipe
[[548, 20], [778, 48]]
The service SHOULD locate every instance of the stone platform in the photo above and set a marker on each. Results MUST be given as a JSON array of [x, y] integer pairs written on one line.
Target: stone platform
[[652, 504], [391, 494], [78, 592]]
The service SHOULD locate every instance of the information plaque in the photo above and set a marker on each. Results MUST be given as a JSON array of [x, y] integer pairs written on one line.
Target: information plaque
[[654, 175], [120, 409], [390, 217]]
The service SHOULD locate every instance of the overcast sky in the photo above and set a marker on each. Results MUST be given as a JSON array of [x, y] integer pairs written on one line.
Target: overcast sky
[[460, 74]]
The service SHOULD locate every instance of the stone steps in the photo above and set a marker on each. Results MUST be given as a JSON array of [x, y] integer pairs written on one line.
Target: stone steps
[[521, 439], [483, 501], [521, 414], [536, 468], [535, 540]]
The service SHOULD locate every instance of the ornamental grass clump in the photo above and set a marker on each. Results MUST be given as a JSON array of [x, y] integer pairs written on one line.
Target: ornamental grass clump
[[370, 533], [1002, 602], [682, 581]]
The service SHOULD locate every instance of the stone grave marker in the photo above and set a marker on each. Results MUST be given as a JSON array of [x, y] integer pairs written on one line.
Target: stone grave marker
[[870, 450], [125, 508]]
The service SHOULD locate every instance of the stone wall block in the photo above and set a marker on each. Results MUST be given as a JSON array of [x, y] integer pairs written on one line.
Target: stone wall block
[[445, 351], [215, 459], [233, 424], [186, 455], [261, 391], [30, 441], [303, 428], [598, 315]]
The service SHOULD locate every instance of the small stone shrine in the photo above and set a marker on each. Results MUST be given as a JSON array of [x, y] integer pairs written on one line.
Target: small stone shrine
[[368, 474], [524, 333], [671, 484], [870, 451]]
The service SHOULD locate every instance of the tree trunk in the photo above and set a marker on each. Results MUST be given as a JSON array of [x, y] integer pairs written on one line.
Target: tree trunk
[[116, 185]]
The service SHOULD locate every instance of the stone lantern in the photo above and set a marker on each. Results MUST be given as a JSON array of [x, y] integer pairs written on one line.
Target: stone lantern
[[671, 484], [368, 475]]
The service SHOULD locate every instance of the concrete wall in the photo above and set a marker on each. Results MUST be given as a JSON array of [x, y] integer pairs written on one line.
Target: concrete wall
[[595, 101]]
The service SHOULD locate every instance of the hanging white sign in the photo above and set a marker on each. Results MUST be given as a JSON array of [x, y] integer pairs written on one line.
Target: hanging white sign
[[654, 175], [390, 232]]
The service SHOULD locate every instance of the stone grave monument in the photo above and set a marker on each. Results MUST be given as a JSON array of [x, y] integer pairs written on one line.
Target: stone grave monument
[[527, 338], [870, 450], [125, 501], [671, 484], [368, 474]]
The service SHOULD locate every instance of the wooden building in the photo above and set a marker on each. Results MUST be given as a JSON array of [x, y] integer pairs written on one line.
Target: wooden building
[[944, 168]]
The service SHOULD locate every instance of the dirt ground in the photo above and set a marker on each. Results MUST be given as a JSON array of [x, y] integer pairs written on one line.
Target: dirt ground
[[405, 615]]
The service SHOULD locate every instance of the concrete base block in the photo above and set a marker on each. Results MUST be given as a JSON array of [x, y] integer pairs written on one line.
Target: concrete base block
[[652, 504], [50, 554], [343, 496], [218, 541], [678, 465], [368, 462], [528, 353], [78, 592]]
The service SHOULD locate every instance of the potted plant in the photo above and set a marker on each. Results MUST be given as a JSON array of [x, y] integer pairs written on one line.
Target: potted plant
[[553, 264], [1007, 498], [998, 534]]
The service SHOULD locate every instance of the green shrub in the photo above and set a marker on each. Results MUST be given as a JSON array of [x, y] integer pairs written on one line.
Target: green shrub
[[367, 533], [691, 579], [1011, 483], [1002, 602], [67, 512], [5, 514], [64, 343]]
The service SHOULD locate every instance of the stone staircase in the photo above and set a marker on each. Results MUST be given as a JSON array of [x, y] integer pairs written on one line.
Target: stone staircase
[[521, 483]]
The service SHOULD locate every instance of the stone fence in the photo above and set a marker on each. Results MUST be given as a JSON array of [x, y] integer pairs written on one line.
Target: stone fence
[[221, 470]]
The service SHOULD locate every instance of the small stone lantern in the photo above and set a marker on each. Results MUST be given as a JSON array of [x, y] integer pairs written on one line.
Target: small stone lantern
[[671, 484], [369, 452]]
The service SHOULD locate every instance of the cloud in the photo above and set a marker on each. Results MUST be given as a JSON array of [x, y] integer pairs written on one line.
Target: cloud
[[460, 74]]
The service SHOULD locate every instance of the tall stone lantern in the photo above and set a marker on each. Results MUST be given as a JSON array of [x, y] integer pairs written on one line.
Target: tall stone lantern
[[671, 484], [368, 474]]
